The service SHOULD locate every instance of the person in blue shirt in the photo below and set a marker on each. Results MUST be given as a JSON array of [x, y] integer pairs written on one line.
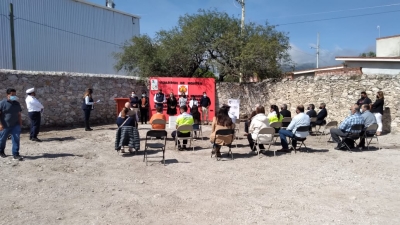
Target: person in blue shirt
[[345, 126]]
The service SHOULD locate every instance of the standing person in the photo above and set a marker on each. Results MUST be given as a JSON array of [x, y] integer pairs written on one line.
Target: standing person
[[10, 123], [134, 99], [35, 109], [159, 99], [171, 104], [284, 112], [363, 100], [300, 120], [144, 108], [182, 100], [193, 102], [377, 109], [205, 103], [183, 119], [87, 107]]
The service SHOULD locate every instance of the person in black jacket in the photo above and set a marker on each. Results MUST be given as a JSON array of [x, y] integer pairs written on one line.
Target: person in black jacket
[[364, 99], [322, 114], [311, 111], [134, 99], [171, 104], [284, 112], [205, 103], [377, 110], [87, 107], [144, 108]]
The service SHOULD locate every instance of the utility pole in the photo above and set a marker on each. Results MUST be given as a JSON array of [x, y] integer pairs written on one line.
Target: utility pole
[[241, 2], [317, 48], [14, 63]]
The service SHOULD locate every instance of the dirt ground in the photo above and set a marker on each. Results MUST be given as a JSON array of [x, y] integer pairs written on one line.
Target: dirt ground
[[76, 177]]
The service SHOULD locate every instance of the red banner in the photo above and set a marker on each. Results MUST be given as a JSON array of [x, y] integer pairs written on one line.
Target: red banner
[[177, 85]]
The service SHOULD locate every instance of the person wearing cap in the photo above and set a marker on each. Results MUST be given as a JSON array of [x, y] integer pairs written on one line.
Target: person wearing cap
[[35, 109], [159, 99]]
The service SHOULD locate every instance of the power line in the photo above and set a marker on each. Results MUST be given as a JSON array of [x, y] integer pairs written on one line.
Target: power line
[[335, 11], [335, 18], [66, 31]]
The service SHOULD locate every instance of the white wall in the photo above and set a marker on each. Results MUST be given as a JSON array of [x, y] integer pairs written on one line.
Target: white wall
[[371, 68], [388, 47]]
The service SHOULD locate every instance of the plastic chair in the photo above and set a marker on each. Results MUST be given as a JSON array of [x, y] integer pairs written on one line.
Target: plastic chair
[[200, 130], [285, 122], [155, 134], [370, 133], [263, 138], [276, 125], [190, 138], [224, 132], [328, 126], [237, 129], [354, 134], [300, 139]]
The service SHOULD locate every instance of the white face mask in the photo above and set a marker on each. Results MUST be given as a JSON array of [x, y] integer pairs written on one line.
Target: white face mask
[[204, 95], [143, 95], [133, 95]]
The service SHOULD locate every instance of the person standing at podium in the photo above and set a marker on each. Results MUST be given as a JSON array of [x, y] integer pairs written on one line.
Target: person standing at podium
[[159, 99]]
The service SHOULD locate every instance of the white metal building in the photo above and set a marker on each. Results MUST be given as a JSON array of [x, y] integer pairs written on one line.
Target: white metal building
[[64, 35]]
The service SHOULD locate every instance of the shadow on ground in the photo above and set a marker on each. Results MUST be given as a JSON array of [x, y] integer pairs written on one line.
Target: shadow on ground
[[51, 156]]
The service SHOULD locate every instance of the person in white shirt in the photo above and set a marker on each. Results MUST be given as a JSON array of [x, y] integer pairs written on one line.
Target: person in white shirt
[[300, 120], [193, 102], [182, 100], [35, 109]]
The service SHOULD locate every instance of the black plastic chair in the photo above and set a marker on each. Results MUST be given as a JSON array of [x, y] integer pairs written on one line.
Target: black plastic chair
[[224, 132], [160, 134], [299, 139], [353, 135]]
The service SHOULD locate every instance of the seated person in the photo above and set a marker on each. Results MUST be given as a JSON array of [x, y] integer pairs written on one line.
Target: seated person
[[122, 116], [160, 116], [128, 106], [220, 122], [275, 116], [194, 111], [247, 123], [322, 114], [311, 111], [284, 112], [183, 119], [345, 126], [300, 120], [258, 122], [369, 119]]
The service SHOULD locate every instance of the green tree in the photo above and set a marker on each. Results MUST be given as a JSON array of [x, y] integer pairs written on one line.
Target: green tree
[[370, 54], [204, 40]]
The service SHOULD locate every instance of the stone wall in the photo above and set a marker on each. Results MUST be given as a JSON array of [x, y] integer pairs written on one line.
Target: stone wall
[[61, 94], [338, 92]]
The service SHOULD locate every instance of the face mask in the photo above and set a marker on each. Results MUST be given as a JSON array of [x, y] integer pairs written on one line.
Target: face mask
[[143, 95], [281, 108], [133, 95], [308, 108], [350, 112], [204, 95], [320, 107], [13, 98], [361, 111], [377, 96]]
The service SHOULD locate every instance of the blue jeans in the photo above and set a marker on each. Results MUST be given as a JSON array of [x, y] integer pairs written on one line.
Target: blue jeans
[[283, 134], [15, 132]]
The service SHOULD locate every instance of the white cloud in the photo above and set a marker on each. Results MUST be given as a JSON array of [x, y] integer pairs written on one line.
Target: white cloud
[[326, 58]]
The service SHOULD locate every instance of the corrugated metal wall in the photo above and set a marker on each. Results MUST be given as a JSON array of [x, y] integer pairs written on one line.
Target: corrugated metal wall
[[63, 35]]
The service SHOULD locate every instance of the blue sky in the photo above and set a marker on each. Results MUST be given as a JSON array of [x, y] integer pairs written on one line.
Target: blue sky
[[338, 37]]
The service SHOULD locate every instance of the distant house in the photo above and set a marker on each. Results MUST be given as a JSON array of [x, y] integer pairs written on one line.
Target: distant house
[[387, 60], [326, 71]]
